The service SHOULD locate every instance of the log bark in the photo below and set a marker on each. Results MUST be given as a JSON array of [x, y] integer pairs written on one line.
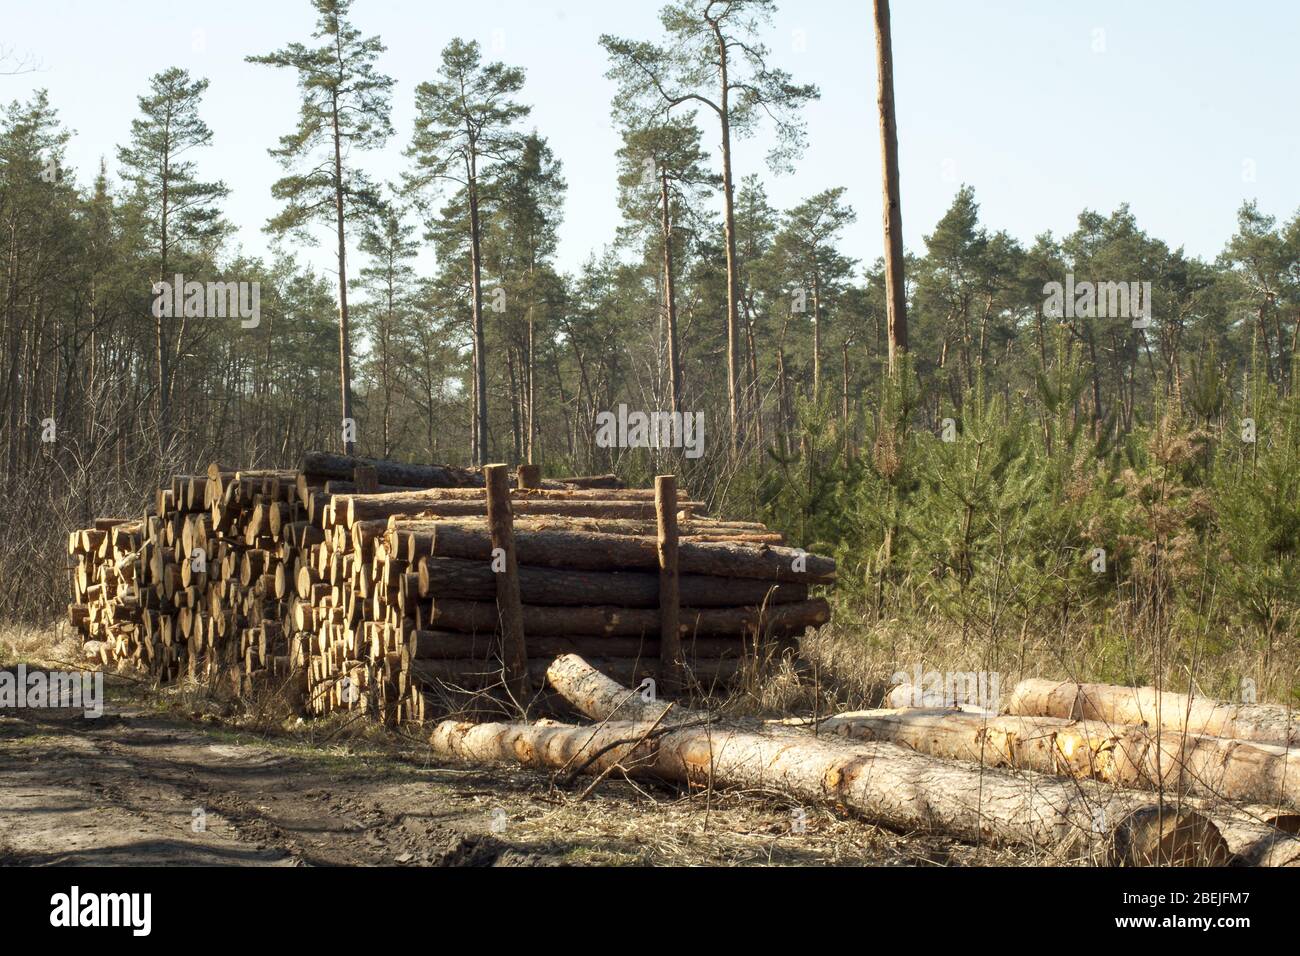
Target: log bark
[[350, 488], [1124, 755], [1179, 713], [370, 507], [474, 580], [325, 465], [522, 493], [781, 620], [593, 551], [411, 533]]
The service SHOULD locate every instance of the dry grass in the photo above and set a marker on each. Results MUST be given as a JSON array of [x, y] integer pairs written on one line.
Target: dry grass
[[638, 824], [52, 645], [849, 663]]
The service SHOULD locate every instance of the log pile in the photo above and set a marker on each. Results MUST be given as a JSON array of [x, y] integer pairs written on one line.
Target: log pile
[[388, 587], [1075, 789]]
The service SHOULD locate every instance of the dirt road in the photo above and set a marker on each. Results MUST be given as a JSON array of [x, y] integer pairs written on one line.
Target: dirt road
[[135, 787]]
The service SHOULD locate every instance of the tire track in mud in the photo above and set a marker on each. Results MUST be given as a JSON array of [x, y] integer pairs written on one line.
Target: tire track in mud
[[133, 789]]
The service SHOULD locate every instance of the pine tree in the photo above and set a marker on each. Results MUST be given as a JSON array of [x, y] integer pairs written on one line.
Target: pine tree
[[465, 123], [528, 199], [662, 182], [181, 210], [345, 107], [713, 58]]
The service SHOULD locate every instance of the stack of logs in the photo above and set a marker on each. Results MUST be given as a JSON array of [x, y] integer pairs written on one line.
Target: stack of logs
[[374, 585]]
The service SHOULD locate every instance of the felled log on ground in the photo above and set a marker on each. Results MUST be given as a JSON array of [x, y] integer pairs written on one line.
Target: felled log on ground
[[884, 783], [1124, 755], [1180, 713], [892, 786], [1151, 833]]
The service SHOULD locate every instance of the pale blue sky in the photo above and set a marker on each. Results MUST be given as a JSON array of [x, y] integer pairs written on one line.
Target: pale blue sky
[[1183, 103]]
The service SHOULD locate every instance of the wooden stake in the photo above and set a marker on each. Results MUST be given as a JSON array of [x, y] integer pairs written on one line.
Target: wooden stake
[[514, 649], [670, 641]]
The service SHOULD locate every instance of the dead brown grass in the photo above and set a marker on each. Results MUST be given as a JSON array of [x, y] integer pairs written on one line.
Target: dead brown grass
[[47, 645]]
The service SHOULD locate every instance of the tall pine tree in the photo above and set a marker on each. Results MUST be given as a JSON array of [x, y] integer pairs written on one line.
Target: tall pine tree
[[345, 107]]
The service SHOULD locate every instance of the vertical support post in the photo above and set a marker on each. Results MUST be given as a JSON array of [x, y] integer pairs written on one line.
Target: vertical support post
[[529, 476], [514, 650], [670, 639]]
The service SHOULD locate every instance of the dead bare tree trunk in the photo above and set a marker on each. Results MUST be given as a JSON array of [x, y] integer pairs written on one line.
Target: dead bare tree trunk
[[347, 426], [895, 289]]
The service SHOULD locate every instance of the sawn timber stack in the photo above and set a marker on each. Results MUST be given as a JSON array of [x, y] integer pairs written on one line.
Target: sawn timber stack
[[374, 585]]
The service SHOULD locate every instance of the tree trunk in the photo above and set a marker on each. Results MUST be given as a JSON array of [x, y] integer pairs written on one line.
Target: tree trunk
[[817, 339], [347, 425], [160, 328], [670, 649], [530, 388], [755, 394], [410, 536], [895, 288], [1252, 833], [480, 347], [670, 298], [782, 404], [844, 398], [729, 231]]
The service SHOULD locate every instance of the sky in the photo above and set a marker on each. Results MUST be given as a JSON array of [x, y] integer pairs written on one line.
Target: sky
[[1181, 108]]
